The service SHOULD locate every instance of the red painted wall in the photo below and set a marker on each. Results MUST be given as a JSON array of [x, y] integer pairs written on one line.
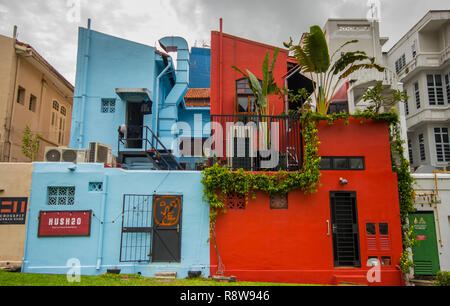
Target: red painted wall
[[291, 245], [228, 50]]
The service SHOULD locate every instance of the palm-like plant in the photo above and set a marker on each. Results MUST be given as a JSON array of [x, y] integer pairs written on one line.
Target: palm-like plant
[[263, 90], [313, 56]]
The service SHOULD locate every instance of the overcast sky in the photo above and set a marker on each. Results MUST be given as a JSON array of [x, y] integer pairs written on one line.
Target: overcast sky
[[51, 26]]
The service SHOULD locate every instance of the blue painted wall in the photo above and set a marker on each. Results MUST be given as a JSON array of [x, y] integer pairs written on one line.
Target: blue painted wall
[[105, 63], [200, 68], [50, 254]]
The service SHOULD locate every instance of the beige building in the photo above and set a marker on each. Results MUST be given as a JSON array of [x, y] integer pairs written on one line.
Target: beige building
[[31, 92], [15, 184]]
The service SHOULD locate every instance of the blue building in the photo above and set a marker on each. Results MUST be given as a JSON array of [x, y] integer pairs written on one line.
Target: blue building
[[123, 83], [146, 215]]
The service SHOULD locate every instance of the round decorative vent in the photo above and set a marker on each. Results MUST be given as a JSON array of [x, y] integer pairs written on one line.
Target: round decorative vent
[[69, 156], [53, 155]]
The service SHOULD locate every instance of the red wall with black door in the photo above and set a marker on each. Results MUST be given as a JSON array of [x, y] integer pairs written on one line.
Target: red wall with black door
[[293, 245]]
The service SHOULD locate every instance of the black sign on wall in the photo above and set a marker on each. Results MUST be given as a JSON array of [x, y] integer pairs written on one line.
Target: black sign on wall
[[13, 210]]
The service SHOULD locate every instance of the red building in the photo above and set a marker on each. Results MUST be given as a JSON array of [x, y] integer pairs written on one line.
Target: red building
[[329, 237]]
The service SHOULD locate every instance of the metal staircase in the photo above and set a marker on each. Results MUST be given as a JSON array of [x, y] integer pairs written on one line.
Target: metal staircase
[[152, 156]]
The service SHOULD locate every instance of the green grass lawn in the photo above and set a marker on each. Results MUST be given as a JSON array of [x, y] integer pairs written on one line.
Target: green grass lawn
[[28, 279]]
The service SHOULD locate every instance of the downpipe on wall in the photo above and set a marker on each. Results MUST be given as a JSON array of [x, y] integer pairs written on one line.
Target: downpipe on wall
[[157, 97], [102, 222]]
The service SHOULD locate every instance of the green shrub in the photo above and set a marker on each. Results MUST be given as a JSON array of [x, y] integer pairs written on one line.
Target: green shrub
[[443, 278]]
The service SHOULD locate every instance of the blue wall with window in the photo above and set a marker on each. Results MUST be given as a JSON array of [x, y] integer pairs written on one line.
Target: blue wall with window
[[105, 63], [102, 190]]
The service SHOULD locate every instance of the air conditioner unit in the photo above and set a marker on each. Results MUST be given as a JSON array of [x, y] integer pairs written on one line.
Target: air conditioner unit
[[64, 154], [100, 153]]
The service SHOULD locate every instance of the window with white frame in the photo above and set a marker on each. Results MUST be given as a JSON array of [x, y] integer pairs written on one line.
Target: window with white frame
[[422, 147], [435, 90], [442, 144], [417, 94]]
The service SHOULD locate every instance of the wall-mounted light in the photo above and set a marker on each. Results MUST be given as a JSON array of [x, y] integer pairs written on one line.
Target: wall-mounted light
[[343, 181], [73, 167]]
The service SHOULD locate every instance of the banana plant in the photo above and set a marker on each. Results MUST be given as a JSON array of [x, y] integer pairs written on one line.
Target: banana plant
[[267, 87], [313, 56], [262, 91]]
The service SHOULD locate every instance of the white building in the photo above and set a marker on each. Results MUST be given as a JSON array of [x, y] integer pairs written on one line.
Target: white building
[[421, 61]]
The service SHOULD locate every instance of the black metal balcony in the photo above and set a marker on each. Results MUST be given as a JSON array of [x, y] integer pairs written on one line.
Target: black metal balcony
[[257, 143]]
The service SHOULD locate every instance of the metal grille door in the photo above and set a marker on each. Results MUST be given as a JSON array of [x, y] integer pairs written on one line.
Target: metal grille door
[[344, 222], [135, 244]]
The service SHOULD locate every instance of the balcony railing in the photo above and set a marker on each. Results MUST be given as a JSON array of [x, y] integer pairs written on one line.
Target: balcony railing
[[257, 143]]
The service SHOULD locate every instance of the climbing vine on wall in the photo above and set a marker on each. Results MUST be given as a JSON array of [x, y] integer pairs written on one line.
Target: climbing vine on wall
[[218, 181]]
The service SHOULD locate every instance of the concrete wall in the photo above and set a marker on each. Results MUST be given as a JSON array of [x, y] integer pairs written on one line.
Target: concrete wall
[[50, 254], [425, 183], [15, 182]]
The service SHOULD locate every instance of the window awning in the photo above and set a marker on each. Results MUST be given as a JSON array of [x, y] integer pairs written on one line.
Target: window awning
[[134, 94]]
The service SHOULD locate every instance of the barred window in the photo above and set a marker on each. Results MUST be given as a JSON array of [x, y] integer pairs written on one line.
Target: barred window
[[108, 105], [442, 144], [435, 90], [417, 94], [61, 195], [422, 147], [63, 111]]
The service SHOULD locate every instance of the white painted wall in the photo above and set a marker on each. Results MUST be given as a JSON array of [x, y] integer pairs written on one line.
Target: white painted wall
[[425, 183]]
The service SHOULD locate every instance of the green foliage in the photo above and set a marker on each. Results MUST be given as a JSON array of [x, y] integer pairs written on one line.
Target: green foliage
[[442, 278], [30, 143], [375, 96], [268, 85], [218, 180], [313, 56]]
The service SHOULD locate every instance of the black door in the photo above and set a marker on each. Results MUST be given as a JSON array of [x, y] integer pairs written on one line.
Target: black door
[[166, 245], [345, 233], [135, 121]]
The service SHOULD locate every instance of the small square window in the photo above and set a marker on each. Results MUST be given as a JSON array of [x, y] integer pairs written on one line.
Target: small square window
[[370, 229], [108, 105], [383, 228], [386, 260]]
